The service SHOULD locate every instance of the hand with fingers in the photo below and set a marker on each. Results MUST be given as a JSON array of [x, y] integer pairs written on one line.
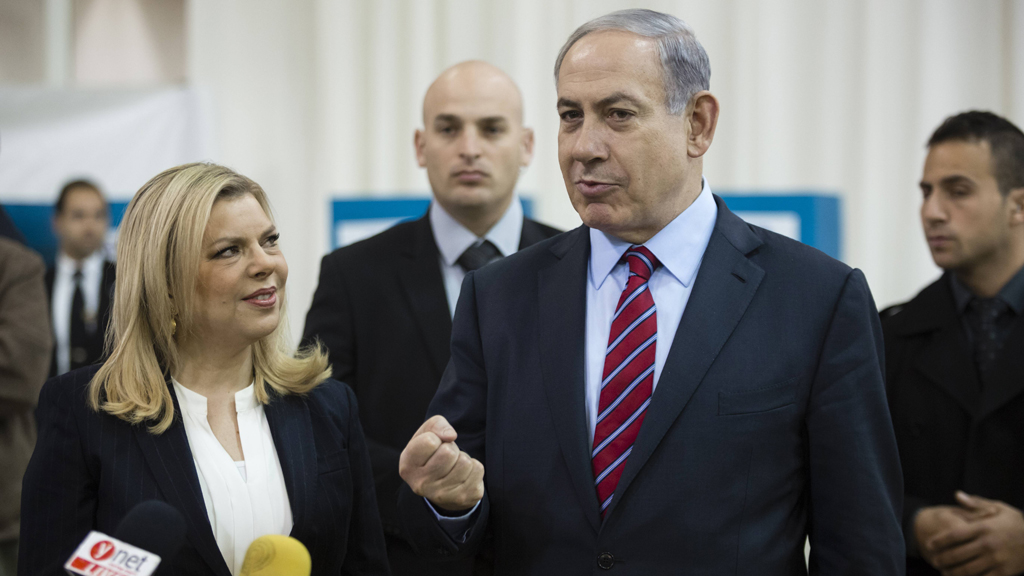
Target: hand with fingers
[[434, 467], [986, 537]]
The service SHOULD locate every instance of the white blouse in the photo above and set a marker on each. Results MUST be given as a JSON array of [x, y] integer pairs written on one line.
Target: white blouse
[[244, 500]]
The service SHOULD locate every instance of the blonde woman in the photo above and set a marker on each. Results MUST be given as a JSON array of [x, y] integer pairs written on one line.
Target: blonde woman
[[201, 403]]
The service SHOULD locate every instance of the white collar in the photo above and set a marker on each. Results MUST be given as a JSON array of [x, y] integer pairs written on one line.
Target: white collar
[[679, 245], [453, 238], [195, 403], [92, 265]]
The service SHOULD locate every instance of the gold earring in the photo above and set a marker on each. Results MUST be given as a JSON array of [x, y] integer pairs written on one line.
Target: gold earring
[[174, 326]]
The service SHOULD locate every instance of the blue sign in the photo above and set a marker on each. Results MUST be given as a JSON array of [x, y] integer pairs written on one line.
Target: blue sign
[[811, 218]]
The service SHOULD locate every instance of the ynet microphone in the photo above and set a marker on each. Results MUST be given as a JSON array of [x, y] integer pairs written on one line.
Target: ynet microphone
[[151, 532], [276, 555]]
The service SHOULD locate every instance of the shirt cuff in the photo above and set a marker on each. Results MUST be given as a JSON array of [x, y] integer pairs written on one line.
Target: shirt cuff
[[455, 526]]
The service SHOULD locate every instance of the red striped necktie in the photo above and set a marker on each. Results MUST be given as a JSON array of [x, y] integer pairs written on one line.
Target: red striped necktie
[[628, 377]]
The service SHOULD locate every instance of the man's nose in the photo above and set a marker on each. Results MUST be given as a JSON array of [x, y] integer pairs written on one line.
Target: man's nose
[[590, 144], [469, 145], [933, 209]]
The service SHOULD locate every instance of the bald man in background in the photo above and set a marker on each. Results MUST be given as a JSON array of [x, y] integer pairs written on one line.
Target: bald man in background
[[384, 306]]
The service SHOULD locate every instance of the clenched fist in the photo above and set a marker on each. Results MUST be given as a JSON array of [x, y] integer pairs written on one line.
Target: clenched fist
[[436, 469]]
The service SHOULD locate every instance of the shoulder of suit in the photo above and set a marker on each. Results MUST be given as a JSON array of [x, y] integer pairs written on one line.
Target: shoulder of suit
[[385, 244], [512, 267], [892, 311], [544, 229], [920, 312], [69, 390], [18, 258], [332, 398], [782, 252]]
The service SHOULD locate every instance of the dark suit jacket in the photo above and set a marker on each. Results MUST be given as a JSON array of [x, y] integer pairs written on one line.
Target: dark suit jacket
[[95, 345], [768, 423], [380, 309], [90, 468], [949, 438]]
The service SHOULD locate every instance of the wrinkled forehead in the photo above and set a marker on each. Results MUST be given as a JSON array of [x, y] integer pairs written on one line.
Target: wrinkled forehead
[[612, 61]]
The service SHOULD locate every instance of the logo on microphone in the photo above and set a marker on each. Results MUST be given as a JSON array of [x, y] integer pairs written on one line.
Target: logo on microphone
[[101, 555], [103, 550]]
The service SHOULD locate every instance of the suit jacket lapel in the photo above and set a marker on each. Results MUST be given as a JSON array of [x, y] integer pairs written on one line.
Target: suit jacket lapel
[[945, 360], [1006, 382], [562, 295], [424, 289], [292, 429], [170, 459], [724, 287]]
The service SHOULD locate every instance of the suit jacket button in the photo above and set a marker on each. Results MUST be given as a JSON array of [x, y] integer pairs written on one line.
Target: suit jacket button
[[605, 561]]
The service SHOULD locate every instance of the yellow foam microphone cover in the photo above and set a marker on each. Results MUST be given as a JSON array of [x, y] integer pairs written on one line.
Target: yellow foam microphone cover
[[276, 555]]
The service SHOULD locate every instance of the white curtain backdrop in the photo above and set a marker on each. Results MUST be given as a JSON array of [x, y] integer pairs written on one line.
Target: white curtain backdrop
[[117, 139], [315, 98]]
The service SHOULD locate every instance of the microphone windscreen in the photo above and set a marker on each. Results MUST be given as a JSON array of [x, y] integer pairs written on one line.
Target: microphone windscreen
[[154, 526], [276, 555]]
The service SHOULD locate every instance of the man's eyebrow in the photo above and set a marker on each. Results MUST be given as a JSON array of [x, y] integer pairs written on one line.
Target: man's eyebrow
[[618, 97], [492, 120], [604, 102], [955, 179]]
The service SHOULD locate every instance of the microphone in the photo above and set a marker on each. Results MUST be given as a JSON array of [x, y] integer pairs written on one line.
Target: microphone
[[153, 525], [152, 531], [276, 555]]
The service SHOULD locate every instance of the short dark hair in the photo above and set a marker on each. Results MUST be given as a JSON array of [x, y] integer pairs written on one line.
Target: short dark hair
[[63, 196], [1004, 139]]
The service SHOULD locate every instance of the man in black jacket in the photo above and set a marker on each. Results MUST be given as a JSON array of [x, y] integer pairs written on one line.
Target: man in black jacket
[[80, 284], [954, 357], [384, 306]]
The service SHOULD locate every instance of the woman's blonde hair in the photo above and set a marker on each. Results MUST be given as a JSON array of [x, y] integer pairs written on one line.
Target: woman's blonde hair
[[158, 256]]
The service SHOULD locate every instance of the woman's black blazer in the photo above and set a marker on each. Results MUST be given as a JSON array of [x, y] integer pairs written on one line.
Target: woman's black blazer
[[90, 468]]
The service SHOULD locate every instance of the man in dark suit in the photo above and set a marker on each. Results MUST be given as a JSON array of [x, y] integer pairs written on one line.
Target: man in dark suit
[[666, 389], [954, 361], [25, 343], [80, 284], [383, 306]]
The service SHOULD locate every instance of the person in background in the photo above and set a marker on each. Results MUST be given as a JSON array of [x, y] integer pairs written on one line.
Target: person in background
[[79, 285], [383, 306], [955, 357], [666, 389], [202, 402], [25, 344]]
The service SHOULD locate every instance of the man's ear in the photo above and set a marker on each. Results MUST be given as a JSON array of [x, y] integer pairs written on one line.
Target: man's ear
[[527, 144], [703, 119], [1016, 200], [419, 143]]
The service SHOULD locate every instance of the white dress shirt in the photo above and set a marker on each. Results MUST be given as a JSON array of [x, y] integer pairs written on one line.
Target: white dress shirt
[[244, 500], [452, 239], [679, 246], [64, 293]]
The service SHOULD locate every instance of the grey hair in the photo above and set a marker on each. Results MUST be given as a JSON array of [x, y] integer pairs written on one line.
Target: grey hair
[[684, 62]]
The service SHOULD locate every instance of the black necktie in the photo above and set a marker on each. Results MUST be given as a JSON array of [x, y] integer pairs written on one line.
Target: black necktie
[[477, 256], [983, 316], [78, 340]]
